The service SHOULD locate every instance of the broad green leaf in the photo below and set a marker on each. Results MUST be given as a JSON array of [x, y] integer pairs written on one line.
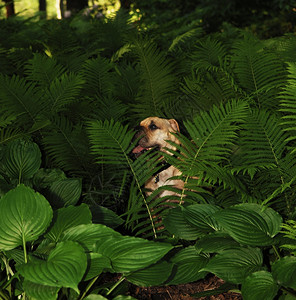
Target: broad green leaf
[[67, 217], [97, 263], [103, 215], [129, 254], [240, 221], [201, 216], [24, 216], [215, 243], [95, 297], [284, 271], [21, 159], [259, 285], [188, 263], [88, 235], [39, 291], [64, 267], [122, 297], [234, 265], [152, 275], [176, 224], [65, 192], [44, 178]]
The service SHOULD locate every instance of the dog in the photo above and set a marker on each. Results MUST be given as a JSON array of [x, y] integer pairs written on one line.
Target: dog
[[154, 133]]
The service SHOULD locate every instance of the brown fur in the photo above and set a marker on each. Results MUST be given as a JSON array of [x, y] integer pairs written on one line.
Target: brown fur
[[156, 132]]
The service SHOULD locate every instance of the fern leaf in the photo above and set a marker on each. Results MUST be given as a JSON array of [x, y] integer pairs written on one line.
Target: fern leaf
[[63, 91], [43, 70], [183, 37], [157, 79], [67, 146], [262, 143], [20, 98], [288, 106], [259, 72]]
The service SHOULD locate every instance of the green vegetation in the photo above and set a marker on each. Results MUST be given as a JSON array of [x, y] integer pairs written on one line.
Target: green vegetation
[[73, 207]]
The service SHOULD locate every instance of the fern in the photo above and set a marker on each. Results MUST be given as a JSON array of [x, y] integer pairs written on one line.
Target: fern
[[157, 79], [262, 143], [43, 70], [288, 106], [67, 146], [258, 71], [20, 99]]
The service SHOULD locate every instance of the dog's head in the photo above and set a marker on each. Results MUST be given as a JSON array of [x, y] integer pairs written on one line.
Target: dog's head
[[155, 132]]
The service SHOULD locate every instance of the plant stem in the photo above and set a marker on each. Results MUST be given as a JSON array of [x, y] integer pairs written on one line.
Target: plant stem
[[115, 285], [276, 252], [88, 287], [25, 250]]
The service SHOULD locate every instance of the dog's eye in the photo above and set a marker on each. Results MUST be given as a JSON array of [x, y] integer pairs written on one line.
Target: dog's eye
[[153, 127]]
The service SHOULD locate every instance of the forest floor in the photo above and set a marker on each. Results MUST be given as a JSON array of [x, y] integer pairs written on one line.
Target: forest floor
[[183, 291]]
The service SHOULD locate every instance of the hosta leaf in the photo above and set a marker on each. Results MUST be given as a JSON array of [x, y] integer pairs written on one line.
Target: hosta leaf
[[129, 254], [240, 221], [259, 285], [21, 159], [188, 264], [284, 271], [103, 215], [96, 265], [201, 216], [40, 292], [234, 265], [64, 267], [88, 235], [95, 297], [176, 224], [24, 216], [65, 192], [67, 217], [215, 243], [153, 275]]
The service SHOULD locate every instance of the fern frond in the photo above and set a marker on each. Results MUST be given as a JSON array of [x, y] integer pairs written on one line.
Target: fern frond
[[20, 98], [183, 37], [259, 72], [288, 105], [157, 79], [63, 91], [98, 76], [262, 143], [209, 54], [67, 146], [43, 70]]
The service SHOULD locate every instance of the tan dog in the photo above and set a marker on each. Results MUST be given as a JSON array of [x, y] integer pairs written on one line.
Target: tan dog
[[156, 132]]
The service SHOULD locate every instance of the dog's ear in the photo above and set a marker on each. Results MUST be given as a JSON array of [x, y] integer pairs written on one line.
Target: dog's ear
[[174, 124]]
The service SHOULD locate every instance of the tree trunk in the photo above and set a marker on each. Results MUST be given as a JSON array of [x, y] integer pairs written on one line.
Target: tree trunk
[[9, 4], [42, 8]]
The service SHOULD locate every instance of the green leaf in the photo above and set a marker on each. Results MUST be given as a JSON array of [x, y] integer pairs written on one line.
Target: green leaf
[[129, 254], [284, 271], [24, 216], [67, 217], [259, 285], [239, 221], [65, 192], [21, 159], [95, 297], [97, 263], [215, 243], [105, 216], [201, 216], [64, 267], [176, 224], [40, 292], [188, 263], [151, 276], [88, 235], [234, 265]]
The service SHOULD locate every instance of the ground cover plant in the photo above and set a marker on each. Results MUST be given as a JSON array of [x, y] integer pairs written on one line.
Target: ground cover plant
[[73, 208]]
